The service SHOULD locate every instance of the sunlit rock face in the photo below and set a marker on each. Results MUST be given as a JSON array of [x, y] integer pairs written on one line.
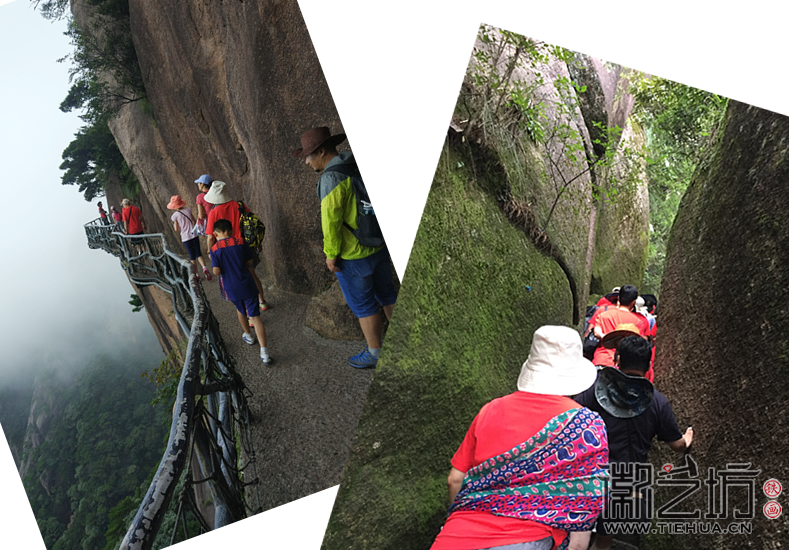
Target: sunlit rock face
[[723, 350], [230, 88]]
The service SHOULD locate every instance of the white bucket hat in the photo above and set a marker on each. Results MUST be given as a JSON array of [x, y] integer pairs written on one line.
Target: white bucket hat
[[217, 195], [556, 363]]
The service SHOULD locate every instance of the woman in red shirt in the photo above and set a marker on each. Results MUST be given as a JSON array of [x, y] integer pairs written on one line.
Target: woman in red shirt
[[530, 467]]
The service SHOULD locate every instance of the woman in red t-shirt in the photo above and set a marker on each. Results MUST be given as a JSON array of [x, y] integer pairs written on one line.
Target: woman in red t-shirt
[[509, 450]]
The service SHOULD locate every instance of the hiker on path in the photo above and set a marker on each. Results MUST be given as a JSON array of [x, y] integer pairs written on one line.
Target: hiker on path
[[183, 224], [610, 299], [116, 216], [650, 312], [364, 272], [226, 208], [592, 312], [634, 413], [614, 317], [203, 207], [133, 223], [103, 215], [606, 302], [231, 260], [500, 460]]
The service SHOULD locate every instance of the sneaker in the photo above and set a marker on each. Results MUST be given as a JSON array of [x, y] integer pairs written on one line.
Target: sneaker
[[267, 360], [363, 360], [207, 274], [263, 306], [248, 337]]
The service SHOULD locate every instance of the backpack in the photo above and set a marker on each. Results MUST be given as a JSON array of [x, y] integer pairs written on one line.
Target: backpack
[[591, 342], [252, 229], [368, 231]]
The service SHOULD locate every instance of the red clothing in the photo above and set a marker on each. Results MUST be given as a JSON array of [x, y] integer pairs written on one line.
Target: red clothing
[[116, 216], [228, 211], [650, 375], [604, 301], [132, 216], [207, 206], [598, 311], [608, 321], [498, 427]]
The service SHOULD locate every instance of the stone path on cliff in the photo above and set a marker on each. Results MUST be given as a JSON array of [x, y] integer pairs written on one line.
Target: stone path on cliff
[[305, 406]]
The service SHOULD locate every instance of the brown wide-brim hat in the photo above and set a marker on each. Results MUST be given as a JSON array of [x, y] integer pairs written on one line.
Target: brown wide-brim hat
[[612, 339], [314, 138]]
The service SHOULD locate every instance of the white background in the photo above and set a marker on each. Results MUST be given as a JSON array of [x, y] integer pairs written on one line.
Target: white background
[[395, 68]]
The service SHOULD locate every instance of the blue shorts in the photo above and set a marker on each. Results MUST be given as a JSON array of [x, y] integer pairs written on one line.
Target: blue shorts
[[367, 282], [248, 307], [193, 248]]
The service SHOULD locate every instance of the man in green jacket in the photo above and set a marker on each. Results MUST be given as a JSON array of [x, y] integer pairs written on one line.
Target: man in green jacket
[[364, 272]]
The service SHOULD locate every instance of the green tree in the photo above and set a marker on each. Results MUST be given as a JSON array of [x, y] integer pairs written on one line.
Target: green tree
[[680, 124], [92, 162], [105, 442], [105, 76], [136, 303]]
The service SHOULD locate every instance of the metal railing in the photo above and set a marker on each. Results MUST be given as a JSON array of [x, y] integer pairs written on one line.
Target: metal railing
[[210, 410]]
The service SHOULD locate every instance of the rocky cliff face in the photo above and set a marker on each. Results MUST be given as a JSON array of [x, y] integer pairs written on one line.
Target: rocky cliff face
[[723, 352], [44, 407], [594, 213], [230, 88], [159, 308]]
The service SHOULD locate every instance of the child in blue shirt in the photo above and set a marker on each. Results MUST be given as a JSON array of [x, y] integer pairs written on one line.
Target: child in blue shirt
[[230, 258]]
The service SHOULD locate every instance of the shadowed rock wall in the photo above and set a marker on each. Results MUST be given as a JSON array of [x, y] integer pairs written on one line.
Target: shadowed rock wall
[[723, 354], [476, 290]]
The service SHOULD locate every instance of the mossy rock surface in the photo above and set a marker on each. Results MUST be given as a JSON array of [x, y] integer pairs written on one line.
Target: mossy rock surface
[[475, 292], [622, 229], [723, 348]]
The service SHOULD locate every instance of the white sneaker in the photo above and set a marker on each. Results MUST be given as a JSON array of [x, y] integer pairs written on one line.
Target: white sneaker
[[265, 357], [248, 337]]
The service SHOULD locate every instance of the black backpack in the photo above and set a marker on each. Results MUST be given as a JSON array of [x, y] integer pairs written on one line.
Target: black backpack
[[368, 231]]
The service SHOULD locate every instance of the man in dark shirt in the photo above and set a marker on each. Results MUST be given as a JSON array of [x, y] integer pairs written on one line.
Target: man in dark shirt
[[630, 434]]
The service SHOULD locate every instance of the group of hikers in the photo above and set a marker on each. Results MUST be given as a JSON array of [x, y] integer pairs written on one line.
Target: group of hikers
[[352, 242], [533, 470], [616, 315]]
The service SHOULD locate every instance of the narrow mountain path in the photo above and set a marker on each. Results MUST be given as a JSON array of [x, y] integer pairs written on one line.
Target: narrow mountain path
[[305, 406]]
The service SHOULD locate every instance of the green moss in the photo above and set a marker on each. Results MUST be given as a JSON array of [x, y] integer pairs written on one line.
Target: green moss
[[621, 244], [476, 291]]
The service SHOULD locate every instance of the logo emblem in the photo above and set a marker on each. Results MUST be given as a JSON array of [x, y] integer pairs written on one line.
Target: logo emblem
[[772, 510], [772, 488]]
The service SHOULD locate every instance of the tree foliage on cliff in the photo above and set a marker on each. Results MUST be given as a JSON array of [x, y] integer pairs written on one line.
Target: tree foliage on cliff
[[680, 124], [105, 76], [93, 161], [99, 449]]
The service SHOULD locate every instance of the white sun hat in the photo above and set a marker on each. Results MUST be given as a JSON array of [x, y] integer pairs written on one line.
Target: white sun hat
[[217, 194], [556, 364]]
